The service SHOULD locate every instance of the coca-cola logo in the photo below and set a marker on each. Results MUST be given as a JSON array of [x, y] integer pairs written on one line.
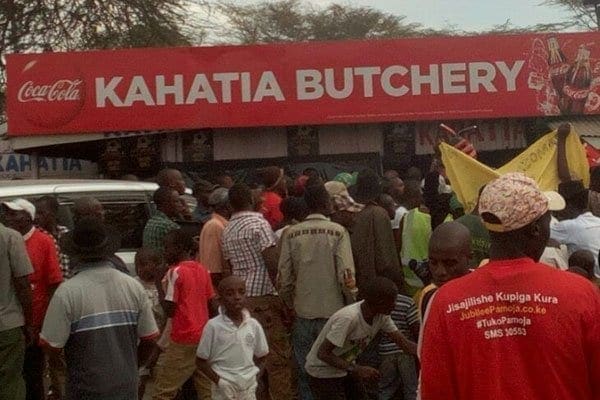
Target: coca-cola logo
[[61, 90], [51, 93]]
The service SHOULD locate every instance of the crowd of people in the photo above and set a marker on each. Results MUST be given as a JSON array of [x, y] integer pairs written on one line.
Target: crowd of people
[[362, 287]]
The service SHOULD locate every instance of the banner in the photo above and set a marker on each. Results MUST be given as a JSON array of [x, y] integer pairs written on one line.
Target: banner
[[538, 161], [437, 78]]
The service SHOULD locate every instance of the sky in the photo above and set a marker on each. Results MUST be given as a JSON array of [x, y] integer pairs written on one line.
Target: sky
[[462, 14]]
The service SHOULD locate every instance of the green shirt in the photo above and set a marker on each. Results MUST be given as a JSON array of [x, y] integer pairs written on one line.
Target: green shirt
[[155, 230], [480, 238]]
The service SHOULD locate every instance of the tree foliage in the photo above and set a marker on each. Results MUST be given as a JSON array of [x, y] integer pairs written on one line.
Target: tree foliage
[[578, 16], [293, 20]]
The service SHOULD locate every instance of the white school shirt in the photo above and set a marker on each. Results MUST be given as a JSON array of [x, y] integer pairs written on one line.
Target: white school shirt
[[230, 349]]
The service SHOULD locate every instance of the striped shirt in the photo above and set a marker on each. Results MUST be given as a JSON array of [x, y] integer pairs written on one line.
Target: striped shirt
[[404, 315], [98, 316], [246, 236]]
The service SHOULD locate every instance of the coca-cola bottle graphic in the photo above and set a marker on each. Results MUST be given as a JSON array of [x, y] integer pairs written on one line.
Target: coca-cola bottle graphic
[[577, 86], [557, 68]]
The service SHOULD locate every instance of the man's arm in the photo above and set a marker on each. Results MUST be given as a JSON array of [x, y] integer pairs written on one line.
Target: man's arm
[[23, 292], [402, 342], [561, 151], [286, 277], [362, 372], [271, 257], [207, 370]]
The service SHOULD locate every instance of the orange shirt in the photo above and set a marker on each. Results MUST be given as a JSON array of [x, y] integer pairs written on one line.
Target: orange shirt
[[271, 210], [210, 254]]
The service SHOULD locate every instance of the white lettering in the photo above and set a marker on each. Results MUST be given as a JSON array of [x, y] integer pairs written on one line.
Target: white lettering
[[308, 84], [452, 74], [226, 78], [162, 90], [268, 86], [510, 74], [107, 92], [476, 79], [200, 90], [330, 84], [433, 79], [367, 74], [138, 91], [386, 80]]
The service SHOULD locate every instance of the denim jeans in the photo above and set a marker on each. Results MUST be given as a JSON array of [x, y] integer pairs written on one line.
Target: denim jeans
[[304, 334], [397, 370]]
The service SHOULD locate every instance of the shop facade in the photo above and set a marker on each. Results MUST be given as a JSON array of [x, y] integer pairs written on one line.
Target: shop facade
[[335, 106]]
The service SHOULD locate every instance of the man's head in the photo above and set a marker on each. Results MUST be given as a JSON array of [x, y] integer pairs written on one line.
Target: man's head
[[585, 260], [147, 263], [517, 214], [368, 186], [224, 180], [380, 294], [413, 195], [202, 191], [317, 199], [88, 206], [90, 239], [167, 201], [449, 252], [389, 204], [219, 202], [241, 198], [274, 180], [19, 215], [294, 208], [394, 187], [232, 294], [391, 174], [414, 174], [171, 178], [46, 212], [178, 246]]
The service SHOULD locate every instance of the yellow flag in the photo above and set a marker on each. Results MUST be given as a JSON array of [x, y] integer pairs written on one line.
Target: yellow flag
[[538, 161]]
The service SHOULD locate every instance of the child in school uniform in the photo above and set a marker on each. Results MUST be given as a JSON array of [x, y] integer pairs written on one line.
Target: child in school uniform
[[233, 346]]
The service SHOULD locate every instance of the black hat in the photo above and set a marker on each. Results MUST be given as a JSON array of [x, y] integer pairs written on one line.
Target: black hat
[[90, 239], [571, 189]]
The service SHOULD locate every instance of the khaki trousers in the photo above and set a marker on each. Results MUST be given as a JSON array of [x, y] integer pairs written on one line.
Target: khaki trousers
[[175, 366]]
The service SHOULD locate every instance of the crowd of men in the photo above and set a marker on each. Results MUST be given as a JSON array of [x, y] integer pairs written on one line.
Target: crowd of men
[[362, 287]]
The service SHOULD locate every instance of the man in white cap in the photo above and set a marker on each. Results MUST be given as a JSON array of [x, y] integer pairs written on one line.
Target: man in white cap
[[514, 328], [19, 215]]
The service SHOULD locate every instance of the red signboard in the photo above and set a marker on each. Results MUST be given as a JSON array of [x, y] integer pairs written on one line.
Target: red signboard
[[306, 83]]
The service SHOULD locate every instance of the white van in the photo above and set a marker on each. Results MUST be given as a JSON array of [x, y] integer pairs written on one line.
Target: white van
[[128, 204]]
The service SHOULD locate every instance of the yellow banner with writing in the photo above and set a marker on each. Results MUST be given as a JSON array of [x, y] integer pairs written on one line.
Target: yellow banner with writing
[[538, 161]]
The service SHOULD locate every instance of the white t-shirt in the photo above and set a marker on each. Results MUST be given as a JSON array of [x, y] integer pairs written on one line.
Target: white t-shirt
[[350, 333], [400, 213], [230, 349], [581, 233]]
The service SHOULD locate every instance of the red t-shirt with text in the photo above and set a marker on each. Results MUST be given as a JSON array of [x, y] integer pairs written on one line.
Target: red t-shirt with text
[[46, 272], [513, 329], [189, 286]]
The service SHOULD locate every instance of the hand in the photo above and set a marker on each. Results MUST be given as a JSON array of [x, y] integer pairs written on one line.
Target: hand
[[563, 131], [226, 388], [366, 373]]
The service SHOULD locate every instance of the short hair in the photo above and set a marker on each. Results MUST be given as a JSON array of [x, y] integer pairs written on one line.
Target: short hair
[[148, 254], [182, 238], [162, 195], [377, 289], [84, 203], [240, 196], [164, 176], [294, 208], [316, 197], [368, 186], [50, 201]]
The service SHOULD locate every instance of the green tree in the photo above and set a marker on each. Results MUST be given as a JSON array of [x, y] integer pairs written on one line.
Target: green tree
[[577, 16], [294, 20]]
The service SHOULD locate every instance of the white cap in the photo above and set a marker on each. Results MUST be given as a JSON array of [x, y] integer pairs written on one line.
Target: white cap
[[21, 205]]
